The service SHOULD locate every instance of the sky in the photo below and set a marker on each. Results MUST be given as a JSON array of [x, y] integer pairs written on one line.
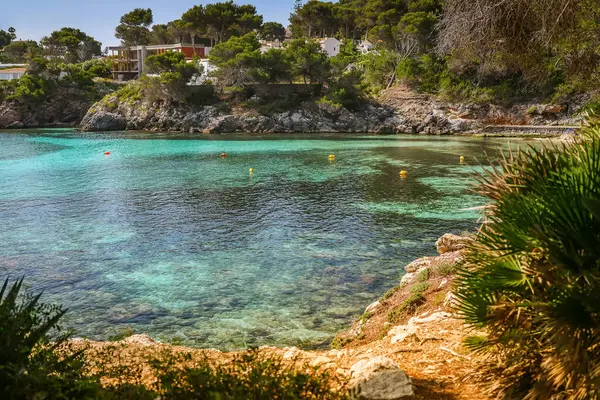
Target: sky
[[36, 18]]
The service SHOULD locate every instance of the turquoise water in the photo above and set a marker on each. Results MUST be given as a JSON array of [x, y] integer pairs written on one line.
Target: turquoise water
[[168, 238]]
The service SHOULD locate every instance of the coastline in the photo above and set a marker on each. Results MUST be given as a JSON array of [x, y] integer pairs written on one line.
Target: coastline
[[421, 346]]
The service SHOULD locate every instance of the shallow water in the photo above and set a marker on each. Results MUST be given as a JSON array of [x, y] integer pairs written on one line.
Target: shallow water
[[166, 237]]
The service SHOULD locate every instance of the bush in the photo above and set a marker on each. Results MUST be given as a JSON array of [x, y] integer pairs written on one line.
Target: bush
[[32, 88], [410, 304], [30, 364], [532, 277]]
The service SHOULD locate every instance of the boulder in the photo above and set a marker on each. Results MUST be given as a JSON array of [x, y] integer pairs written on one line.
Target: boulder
[[103, 121], [143, 340], [418, 264], [373, 306], [380, 378], [449, 242]]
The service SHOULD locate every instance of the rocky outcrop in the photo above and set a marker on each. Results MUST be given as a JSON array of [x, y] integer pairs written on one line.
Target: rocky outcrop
[[110, 114], [380, 378], [449, 243], [65, 107]]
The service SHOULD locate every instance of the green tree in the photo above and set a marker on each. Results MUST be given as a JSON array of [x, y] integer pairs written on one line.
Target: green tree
[[308, 60], [19, 51], [238, 61], [161, 34], [7, 36], [247, 20], [173, 62], [276, 67], [133, 27], [71, 45], [272, 31], [220, 18], [194, 21]]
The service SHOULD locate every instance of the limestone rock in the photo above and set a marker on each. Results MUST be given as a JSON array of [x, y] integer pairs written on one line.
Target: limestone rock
[[380, 378], [143, 340], [401, 332], [292, 353], [320, 360], [418, 264], [438, 316], [449, 242], [373, 306], [410, 277], [103, 121]]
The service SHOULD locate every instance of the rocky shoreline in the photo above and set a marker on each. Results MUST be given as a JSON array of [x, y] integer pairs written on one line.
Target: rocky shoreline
[[418, 355], [397, 110]]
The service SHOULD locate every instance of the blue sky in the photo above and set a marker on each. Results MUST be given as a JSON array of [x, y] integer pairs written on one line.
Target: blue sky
[[36, 18]]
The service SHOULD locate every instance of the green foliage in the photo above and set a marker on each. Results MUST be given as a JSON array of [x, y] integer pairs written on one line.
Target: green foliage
[[31, 89], [98, 68], [171, 62], [237, 60], [422, 276], [276, 66], [7, 36], [272, 31], [71, 45], [531, 278], [133, 28], [411, 303], [445, 269], [30, 364], [308, 60], [19, 51]]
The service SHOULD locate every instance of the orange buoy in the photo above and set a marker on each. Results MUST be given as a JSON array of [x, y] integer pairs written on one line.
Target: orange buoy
[[107, 153], [223, 155]]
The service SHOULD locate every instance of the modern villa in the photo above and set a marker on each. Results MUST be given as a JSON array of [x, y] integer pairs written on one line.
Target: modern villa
[[128, 62]]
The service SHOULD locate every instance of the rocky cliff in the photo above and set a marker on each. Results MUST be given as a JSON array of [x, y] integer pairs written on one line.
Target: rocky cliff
[[398, 110], [63, 106]]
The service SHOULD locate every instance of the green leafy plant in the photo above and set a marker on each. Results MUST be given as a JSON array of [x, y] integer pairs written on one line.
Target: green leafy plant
[[532, 277], [410, 304]]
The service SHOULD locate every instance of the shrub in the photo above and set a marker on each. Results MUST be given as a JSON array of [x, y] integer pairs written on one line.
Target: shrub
[[250, 376], [532, 277], [30, 364], [414, 300], [32, 88]]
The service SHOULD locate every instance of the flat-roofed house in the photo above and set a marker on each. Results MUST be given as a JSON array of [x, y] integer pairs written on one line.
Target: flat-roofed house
[[128, 62], [10, 73]]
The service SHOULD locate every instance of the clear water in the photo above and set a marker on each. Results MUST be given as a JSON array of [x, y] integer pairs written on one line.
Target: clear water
[[168, 238]]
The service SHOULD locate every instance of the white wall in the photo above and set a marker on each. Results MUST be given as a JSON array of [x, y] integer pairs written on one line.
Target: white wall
[[9, 76], [331, 46]]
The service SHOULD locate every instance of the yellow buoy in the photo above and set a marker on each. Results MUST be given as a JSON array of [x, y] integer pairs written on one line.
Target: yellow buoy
[[332, 156], [251, 170], [403, 173], [462, 159]]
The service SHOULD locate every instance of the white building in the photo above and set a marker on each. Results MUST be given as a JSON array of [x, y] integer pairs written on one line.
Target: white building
[[331, 46], [266, 45], [12, 71], [364, 46]]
